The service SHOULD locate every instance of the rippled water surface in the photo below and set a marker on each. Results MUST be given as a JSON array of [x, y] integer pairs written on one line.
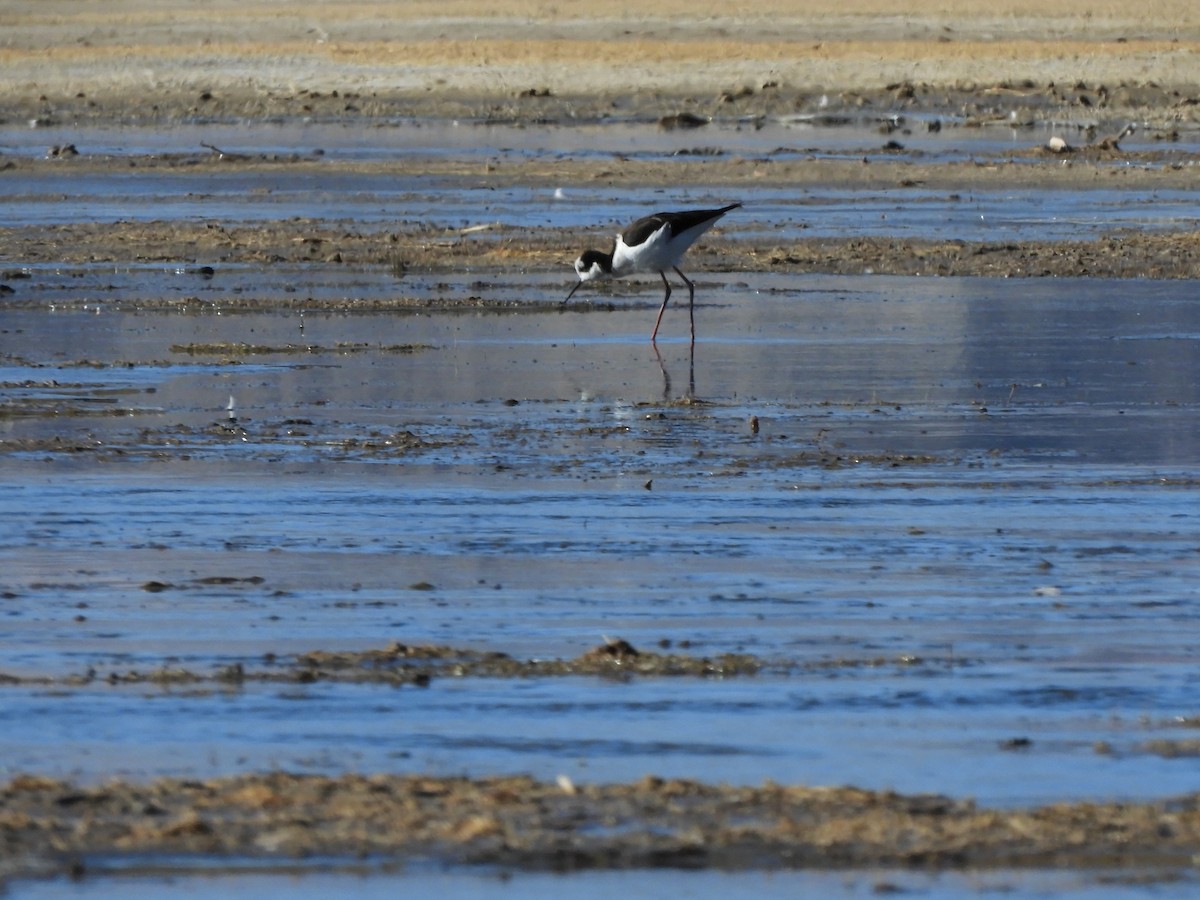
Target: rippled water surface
[[976, 496]]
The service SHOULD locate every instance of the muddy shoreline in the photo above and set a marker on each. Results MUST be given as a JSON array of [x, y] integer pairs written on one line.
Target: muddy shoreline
[[410, 247], [1168, 256], [48, 826], [1079, 107], [51, 827]]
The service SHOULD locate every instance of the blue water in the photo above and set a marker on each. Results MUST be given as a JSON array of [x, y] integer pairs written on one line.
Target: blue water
[[369, 883], [323, 186], [975, 497]]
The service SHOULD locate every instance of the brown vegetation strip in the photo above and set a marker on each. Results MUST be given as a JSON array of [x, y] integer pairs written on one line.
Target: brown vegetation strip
[[401, 664], [410, 251], [47, 824]]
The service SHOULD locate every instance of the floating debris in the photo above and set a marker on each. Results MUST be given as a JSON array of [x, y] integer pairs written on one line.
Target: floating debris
[[682, 121]]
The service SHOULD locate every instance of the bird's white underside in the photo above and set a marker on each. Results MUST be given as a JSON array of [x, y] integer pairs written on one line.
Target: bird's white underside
[[655, 254]]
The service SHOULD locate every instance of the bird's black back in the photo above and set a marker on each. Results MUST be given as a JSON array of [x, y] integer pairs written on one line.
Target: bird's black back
[[676, 221]]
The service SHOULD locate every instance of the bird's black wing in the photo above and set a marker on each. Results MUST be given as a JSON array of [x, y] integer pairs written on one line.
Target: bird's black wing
[[641, 229], [678, 222]]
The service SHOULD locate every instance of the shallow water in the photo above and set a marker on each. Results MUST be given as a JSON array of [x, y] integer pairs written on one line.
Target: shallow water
[[969, 516], [1002, 540], [851, 136], [368, 884], [376, 200], [379, 202]]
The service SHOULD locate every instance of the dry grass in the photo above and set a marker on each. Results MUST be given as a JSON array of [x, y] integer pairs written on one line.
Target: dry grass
[[606, 45]]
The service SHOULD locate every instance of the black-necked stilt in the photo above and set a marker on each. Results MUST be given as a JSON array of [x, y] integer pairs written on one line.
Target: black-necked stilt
[[652, 244]]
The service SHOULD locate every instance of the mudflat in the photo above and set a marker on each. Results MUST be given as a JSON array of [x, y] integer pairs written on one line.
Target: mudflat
[[1084, 73], [480, 54]]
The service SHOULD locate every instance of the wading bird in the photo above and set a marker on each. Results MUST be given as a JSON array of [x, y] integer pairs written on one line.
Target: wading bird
[[652, 244]]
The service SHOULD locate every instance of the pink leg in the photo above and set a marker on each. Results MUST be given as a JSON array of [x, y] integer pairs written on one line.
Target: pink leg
[[691, 301], [663, 308]]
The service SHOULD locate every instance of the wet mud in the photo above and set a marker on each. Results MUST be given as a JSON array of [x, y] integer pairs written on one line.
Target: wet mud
[[1124, 256], [564, 826], [400, 664]]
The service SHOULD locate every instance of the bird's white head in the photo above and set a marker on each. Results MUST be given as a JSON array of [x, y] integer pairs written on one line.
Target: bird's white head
[[591, 265]]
